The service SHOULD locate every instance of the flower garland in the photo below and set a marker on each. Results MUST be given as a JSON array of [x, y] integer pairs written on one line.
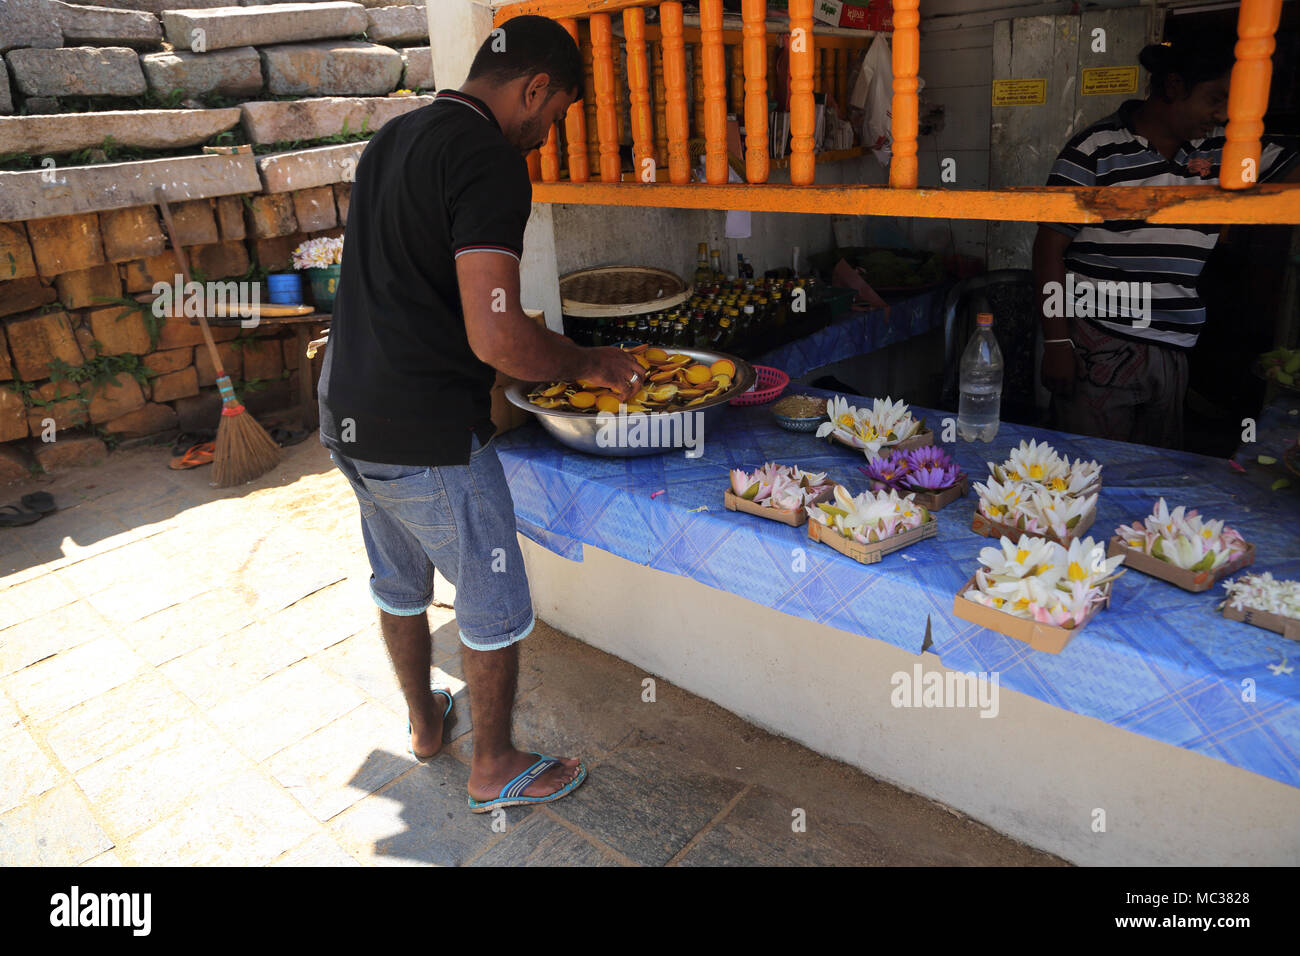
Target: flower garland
[[1260, 592]]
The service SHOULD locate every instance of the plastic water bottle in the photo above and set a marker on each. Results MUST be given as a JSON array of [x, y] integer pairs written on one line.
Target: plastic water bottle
[[981, 384]]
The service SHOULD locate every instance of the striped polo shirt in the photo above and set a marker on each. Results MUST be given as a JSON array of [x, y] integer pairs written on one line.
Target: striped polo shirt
[[1111, 153]]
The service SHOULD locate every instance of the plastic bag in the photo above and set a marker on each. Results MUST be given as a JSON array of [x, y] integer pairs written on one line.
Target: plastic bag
[[874, 94]]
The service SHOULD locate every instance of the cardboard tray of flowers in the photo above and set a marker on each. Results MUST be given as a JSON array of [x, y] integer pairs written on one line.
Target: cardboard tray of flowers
[[1288, 627], [934, 500], [874, 552], [1184, 578], [922, 438], [794, 517], [1041, 637], [982, 524]]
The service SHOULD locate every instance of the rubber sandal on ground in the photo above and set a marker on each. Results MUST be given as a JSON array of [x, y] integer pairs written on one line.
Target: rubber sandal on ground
[[200, 454], [284, 437], [11, 516], [42, 502], [187, 440], [511, 793], [446, 726]]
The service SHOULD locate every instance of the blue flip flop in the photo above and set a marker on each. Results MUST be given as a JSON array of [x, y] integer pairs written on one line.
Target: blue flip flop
[[511, 793], [446, 725]]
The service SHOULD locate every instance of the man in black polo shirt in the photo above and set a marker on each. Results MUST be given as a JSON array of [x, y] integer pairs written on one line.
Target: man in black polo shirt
[[427, 307]]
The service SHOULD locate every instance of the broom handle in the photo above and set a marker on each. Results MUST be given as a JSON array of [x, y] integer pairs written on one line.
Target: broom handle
[[183, 261]]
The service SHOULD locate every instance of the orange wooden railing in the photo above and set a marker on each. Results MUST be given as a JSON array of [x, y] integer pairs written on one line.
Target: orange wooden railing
[[665, 94]]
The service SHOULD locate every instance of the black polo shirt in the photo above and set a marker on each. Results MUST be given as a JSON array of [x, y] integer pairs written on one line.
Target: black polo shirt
[[400, 383]]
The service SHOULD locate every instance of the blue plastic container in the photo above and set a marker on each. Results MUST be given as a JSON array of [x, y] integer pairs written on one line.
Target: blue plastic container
[[285, 288]]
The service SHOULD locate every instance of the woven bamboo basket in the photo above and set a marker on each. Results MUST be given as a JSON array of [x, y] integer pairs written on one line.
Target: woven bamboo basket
[[611, 291]]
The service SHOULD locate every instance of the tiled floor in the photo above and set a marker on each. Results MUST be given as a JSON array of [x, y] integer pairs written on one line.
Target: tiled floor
[[195, 676]]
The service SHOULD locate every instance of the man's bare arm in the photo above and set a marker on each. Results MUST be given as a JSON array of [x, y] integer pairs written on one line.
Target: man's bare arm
[[501, 335]]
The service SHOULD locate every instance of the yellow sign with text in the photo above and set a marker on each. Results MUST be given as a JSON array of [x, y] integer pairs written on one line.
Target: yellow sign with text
[[1019, 92], [1110, 80]]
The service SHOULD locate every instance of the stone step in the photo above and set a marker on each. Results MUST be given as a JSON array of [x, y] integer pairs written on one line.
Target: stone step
[[103, 26], [309, 168], [82, 189], [417, 68], [270, 3], [156, 7], [278, 121], [233, 72], [331, 68], [397, 24], [147, 129], [77, 71], [205, 30]]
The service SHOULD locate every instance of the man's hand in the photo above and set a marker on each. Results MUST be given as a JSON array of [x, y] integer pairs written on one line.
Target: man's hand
[[615, 370]]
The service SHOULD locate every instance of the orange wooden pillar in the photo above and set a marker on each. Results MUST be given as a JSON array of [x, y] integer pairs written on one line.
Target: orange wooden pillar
[[1248, 95], [575, 125], [906, 64], [534, 161], [715, 92], [697, 90], [803, 115], [755, 61], [638, 83], [589, 105], [677, 113], [602, 67]]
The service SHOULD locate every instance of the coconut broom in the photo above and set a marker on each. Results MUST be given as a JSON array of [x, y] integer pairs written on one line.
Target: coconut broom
[[244, 450]]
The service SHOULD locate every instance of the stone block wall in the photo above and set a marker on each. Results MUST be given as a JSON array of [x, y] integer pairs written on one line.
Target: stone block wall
[[250, 115]]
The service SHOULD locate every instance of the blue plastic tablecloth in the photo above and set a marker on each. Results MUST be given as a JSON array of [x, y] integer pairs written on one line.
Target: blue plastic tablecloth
[[1160, 661], [857, 333]]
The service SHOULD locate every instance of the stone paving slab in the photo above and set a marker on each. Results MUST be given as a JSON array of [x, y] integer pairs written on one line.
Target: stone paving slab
[[258, 722], [55, 829]]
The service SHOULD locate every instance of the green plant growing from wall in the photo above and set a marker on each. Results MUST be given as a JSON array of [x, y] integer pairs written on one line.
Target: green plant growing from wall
[[153, 323]]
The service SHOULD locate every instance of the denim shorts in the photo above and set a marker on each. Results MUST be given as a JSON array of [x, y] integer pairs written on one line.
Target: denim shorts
[[459, 519]]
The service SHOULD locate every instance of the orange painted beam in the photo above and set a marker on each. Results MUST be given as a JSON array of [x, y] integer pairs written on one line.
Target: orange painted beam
[[638, 82], [715, 92], [1248, 94], [905, 120], [677, 113], [1173, 205], [602, 68], [803, 115], [555, 9], [575, 124], [757, 161]]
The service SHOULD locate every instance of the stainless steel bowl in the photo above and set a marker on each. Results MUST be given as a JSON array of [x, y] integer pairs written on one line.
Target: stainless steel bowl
[[604, 434]]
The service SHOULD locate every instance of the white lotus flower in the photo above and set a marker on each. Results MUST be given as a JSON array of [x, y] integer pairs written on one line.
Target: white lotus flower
[[1041, 580], [1183, 538]]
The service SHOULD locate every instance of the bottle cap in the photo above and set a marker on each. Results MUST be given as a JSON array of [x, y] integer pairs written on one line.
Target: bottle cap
[[984, 319]]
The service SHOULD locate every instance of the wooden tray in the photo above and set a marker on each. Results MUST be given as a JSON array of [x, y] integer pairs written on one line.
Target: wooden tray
[[1288, 627], [793, 518], [922, 438], [870, 553], [1180, 577], [1041, 637], [932, 501], [996, 529]]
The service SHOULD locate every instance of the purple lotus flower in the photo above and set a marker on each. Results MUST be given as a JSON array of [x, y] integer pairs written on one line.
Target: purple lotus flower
[[929, 468], [886, 471]]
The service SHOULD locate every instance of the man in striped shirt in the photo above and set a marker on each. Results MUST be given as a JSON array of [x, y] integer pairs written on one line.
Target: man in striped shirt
[[1119, 302]]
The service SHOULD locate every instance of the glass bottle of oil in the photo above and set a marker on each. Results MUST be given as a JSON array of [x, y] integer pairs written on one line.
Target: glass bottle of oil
[[703, 273]]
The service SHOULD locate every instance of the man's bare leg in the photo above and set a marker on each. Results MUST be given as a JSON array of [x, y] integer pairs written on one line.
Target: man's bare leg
[[410, 647], [492, 677]]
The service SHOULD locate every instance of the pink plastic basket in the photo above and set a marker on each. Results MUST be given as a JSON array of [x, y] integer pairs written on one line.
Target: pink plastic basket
[[770, 383]]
